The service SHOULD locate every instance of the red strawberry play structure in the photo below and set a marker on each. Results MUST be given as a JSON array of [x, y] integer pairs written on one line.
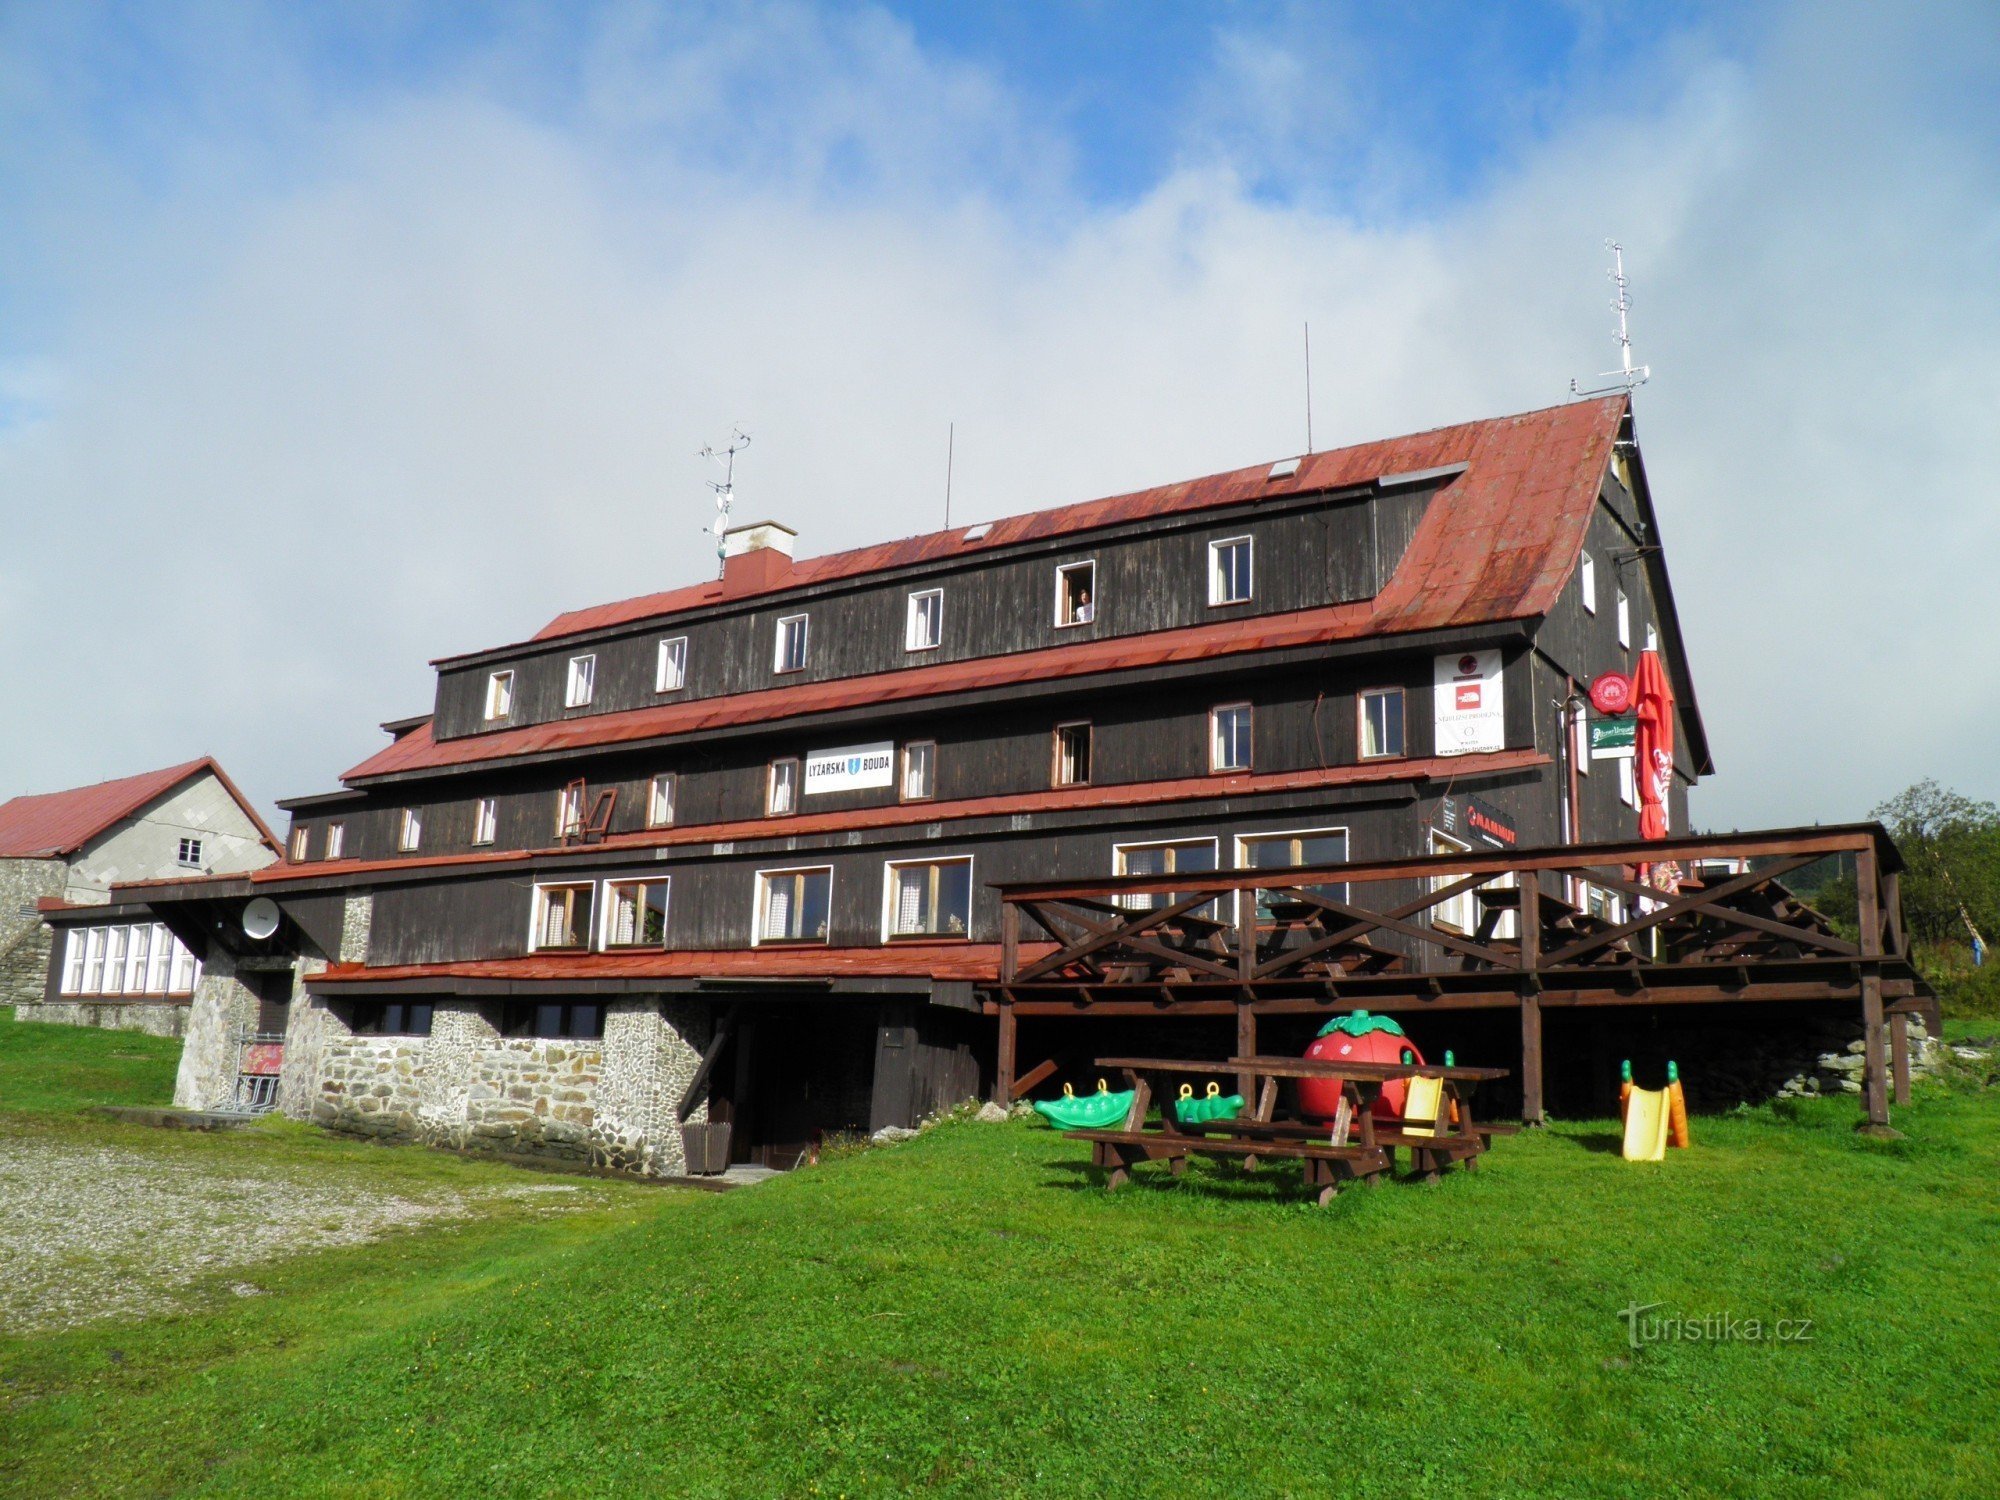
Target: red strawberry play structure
[[1357, 1038]]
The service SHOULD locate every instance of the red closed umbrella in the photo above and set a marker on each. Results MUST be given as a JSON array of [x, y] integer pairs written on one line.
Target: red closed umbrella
[[1653, 744]]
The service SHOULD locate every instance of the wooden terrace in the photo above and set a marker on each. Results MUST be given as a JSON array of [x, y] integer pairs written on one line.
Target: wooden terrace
[[1366, 935]]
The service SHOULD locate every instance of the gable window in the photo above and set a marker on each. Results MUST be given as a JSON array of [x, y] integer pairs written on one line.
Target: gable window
[[925, 628], [660, 800], [928, 898], [1072, 755], [1229, 571], [499, 695], [582, 685], [919, 771], [301, 836], [793, 906], [569, 810], [1586, 584], [1291, 851], [791, 645], [1076, 590], [670, 676], [411, 832], [781, 790], [188, 852], [336, 839], [1381, 723], [485, 819], [1168, 858], [562, 917], [1624, 619], [1229, 737], [635, 914]]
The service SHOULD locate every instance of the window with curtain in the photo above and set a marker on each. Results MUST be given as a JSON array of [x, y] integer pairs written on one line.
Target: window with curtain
[[794, 905], [562, 916], [636, 914], [930, 899]]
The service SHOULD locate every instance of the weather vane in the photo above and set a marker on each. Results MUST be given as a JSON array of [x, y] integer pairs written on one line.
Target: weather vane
[[725, 487], [1631, 376]]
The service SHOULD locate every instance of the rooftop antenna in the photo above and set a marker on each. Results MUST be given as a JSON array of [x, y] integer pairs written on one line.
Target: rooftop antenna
[[1630, 377], [1309, 387], [725, 488], [950, 446]]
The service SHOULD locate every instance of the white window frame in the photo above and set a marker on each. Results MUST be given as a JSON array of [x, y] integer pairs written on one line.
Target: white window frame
[[535, 914], [912, 637], [1120, 852], [670, 670], [761, 889], [485, 819], [889, 869], [138, 949], [499, 695], [76, 943], [771, 808], [580, 685], [1088, 568], [93, 962], [113, 980], [301, 841], [930, 760], [778, 653], [1089, 729], [1624, 620], [571, 802], [1265, 836], [336, 839], [671, 782], [1249, 710], [1509, 925], [608, 901], [184, 963], [1217, 578], [187, 853], [410, 832], [1586, 584], [1361, 751]]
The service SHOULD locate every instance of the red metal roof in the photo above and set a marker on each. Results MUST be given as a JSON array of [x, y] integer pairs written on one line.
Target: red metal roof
[[55, 824], [1496, 543], [1129, 794], [1525, 473], [973, 961]]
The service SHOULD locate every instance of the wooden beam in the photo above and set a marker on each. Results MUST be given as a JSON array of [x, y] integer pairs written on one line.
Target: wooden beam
[[1246, 1044], [1003, 1073], [1874, 1087], [1033, 1076], [725, 1022], [1899, 1055], [1531, 1061]]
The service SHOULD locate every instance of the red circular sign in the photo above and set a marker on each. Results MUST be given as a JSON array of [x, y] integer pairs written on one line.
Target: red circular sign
[[1611, 693]]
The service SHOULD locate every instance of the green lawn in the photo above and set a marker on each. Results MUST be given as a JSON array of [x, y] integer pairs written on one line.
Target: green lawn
[[967, 1313]]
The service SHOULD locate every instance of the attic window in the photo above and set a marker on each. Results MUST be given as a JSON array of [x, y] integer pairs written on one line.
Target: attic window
[[1284, 468], [189, 853]]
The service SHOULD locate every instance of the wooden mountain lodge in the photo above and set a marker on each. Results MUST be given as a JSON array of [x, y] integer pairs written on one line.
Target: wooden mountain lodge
[[704, 876]]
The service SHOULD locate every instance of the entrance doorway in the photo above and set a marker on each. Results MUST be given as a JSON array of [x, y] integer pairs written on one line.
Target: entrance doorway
[[791, 1077]]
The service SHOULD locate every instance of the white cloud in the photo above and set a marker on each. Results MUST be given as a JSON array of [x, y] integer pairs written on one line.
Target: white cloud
[[445, 373]]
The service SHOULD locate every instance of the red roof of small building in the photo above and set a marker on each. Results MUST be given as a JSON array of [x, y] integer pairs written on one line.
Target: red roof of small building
[[1496, 543], [52, 825]]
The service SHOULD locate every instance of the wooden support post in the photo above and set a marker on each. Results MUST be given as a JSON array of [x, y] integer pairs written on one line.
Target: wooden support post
[[1246, 1046], [1899, 1056], [1003, 1073], [1010, 941], [1874, 1083], [1531, 1061]]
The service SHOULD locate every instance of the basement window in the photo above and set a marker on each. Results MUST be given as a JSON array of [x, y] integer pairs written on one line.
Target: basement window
[[582, 684], [924, 629], [928, 899], [1381, 727], [670, 676], [562, 917], [790, 655], [1072, 755], [793, 906], [636, 914], [1076, 590], [389, 1018], [1229, 571], [575, 1022], [499, 696]]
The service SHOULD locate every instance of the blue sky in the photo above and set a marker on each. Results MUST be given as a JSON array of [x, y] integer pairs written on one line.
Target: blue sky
[[338, 337]]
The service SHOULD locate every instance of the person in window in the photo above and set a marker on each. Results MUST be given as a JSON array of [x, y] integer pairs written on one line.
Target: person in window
[[1084, 610]]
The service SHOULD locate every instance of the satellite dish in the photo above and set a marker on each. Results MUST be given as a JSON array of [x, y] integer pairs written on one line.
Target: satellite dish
[[260, 917]]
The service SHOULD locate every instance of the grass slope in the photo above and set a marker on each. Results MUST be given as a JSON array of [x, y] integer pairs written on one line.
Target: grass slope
[[967, 1313], [46, 1068]]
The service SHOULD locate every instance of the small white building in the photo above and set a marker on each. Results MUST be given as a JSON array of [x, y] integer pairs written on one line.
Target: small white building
[[67, 849]]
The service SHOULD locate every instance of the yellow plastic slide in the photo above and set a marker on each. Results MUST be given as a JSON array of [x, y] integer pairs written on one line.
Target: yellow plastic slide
[[1423, 1101], [1646, 1125]]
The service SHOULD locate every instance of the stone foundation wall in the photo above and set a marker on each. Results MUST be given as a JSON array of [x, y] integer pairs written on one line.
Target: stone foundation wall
[[160, 1019], [609, 1102], [222, 1008], [305, 1025], [25, 939]]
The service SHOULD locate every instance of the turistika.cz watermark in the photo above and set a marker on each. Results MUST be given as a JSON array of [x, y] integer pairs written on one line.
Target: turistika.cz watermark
[[1644, 1324]]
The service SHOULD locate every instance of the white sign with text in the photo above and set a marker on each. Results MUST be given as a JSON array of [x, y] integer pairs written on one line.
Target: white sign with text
[[1471, 716], [850, 769]]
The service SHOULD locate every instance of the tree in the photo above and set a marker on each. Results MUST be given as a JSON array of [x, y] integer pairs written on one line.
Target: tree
[[1951, 845]]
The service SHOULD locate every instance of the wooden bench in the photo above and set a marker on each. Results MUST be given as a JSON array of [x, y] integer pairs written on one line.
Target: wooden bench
[[1328, 1168]]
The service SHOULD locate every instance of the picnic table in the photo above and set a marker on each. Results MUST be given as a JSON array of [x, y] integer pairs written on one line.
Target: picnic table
[[1355, 1146]]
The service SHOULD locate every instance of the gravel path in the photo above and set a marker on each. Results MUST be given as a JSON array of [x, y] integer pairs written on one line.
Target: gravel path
[[90, 1231]]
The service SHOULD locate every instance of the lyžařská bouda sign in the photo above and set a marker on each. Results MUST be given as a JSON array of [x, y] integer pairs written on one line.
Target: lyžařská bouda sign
[[851, 768]]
